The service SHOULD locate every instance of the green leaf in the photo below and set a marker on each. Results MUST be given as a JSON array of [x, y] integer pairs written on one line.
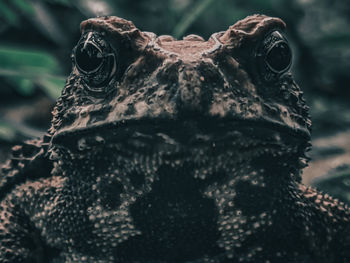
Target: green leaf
[[28, 60], [24, 6], [9, 15], [23, 85], [25, 82], [26, 69]]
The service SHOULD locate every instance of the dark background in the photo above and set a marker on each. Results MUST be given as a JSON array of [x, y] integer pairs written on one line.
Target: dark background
[[37, 36]]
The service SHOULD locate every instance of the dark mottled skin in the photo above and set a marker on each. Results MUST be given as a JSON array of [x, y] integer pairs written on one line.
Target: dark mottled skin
[[172, 151]]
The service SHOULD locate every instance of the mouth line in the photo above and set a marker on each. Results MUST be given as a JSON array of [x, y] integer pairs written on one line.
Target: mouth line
[[182, 132]]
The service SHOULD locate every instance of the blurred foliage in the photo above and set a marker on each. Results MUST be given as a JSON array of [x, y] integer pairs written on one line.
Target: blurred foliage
[[328, 116], [8, 10], [325, 31], [7, 132], [336, 183], [26, 69], [190, 17]]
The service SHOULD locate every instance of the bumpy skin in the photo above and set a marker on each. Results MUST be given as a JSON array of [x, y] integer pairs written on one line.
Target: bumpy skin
[[173, 151]]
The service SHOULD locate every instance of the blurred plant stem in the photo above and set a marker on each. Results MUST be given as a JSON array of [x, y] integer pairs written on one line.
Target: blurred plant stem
[[188, 19]]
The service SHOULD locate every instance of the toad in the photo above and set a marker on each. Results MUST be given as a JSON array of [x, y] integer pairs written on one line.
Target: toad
[[164, 150]]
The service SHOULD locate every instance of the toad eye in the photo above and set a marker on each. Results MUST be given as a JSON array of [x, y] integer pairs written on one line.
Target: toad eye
[[95, 60], [274, 56], [88, 57], [279, 57]]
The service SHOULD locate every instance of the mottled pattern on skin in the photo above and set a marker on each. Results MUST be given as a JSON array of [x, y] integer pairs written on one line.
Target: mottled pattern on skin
[[165, 150]]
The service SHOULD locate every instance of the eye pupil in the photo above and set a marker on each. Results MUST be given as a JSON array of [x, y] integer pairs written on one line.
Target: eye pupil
[[88, 57], [279, 57]]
